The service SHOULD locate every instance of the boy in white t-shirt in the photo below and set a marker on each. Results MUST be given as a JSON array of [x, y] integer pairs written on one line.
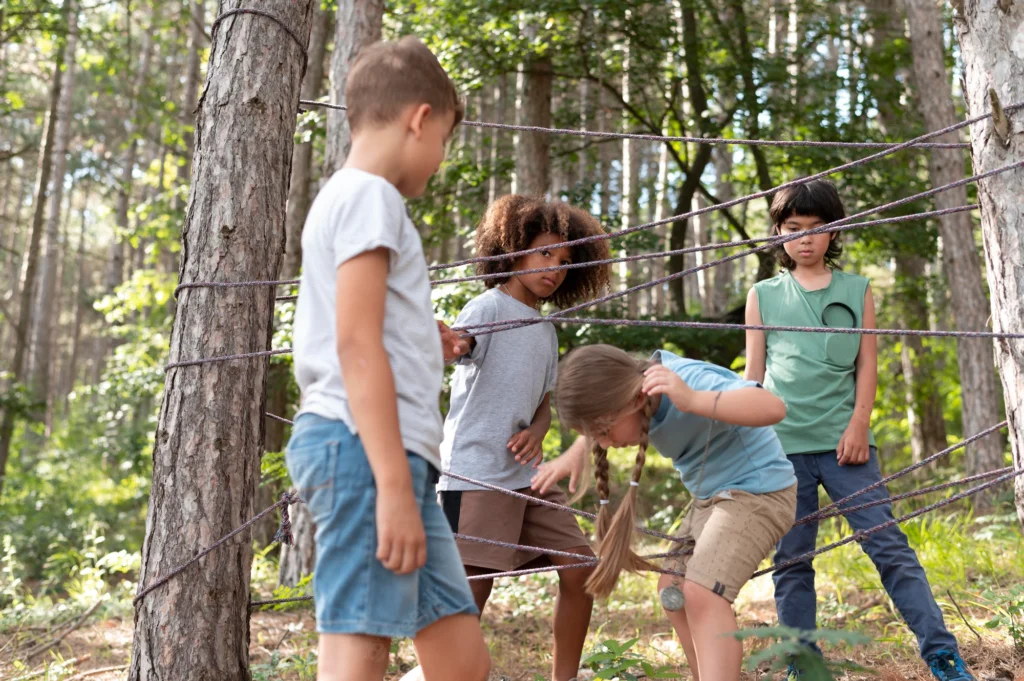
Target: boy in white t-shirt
[[364, 451]]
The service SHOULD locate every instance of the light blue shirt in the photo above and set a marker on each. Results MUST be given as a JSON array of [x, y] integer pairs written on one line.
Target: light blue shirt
[[739, 457]]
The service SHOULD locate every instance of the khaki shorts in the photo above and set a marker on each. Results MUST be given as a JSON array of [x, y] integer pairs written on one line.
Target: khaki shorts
[[734, 531], [493, 515]]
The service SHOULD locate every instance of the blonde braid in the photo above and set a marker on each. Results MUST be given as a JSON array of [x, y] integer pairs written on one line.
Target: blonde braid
[[604, 516]]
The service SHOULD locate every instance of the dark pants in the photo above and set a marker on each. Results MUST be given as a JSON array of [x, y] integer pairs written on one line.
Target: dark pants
[[902, 575]]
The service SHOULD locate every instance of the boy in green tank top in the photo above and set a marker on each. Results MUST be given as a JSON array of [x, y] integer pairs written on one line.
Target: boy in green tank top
[[828, 381]]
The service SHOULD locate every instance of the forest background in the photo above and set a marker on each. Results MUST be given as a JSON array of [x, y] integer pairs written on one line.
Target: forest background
[[95, 152]]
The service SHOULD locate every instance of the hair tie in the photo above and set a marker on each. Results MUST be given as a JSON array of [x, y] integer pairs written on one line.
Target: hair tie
[[634, 483], [605, 502]]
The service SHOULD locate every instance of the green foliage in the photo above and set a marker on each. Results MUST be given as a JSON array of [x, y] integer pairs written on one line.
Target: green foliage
[[1007, 610], [614, 660], [791, 646]]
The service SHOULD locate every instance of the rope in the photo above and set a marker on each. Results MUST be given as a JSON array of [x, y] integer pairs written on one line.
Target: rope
[[725, 326], [268, 15], [821, 513], [737, 201], [503, 325], [861, 535], [286, 499], [609, 261], [669, 138], [907, 495]]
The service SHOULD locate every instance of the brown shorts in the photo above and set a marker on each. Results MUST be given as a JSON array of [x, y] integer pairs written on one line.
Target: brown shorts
[[734, 531], [493, 515]]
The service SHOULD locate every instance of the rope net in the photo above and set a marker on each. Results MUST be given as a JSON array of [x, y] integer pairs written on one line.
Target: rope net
[[754, 246]]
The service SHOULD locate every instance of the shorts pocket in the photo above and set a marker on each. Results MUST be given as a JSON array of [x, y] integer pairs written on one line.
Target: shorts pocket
[[313, 467]]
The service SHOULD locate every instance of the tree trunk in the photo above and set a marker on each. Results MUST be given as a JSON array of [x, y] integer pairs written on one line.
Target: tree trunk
[[302, 156], [533, 107], [629, 200], [990, 42], [196, 37], [357, 25], [962, 264], [41, 337], [209, 438], [31, 260], [499, 101], [722, 282], [80, 305], [924, 403]]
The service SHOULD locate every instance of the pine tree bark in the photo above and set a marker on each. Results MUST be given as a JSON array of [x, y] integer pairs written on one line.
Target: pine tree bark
[[989, 32], [962, 264], [31, 259], [357, 25], [41, 336], [209, 438]]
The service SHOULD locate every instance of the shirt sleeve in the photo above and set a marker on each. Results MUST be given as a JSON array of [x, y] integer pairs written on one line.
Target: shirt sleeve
[[477, 311], [373, 221], [552, 363], [713, 378]]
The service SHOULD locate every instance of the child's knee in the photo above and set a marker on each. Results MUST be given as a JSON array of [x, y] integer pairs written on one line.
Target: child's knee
[[699, 598], [574, 582], [477, 665]]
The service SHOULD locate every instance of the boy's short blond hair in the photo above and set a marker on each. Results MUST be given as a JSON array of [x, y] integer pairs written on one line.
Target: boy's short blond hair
[[388, 77]]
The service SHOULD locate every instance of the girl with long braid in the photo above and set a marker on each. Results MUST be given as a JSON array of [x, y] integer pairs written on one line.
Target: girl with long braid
[[715, 427]]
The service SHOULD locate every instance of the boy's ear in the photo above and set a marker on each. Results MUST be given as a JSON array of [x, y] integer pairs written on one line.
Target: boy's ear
[[419, 117]]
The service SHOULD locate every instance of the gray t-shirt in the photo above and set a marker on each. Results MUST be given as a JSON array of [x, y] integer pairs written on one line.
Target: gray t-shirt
[[496, 390], [356, 212]]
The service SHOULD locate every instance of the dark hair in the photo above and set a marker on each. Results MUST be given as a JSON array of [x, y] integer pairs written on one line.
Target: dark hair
[[512, 223], [815, 199], [387, 77]]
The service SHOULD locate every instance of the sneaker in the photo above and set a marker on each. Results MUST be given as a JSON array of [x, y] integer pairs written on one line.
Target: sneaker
[[947, 665], [792, 672]]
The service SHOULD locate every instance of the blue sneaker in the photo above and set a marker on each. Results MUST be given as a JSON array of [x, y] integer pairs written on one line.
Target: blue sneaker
[[792, 672], [947, 665]]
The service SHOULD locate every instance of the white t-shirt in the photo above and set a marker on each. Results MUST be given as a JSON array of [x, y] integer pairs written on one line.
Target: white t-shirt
[[356, 212]]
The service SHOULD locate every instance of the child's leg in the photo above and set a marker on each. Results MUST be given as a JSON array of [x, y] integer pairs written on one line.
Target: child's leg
[[677, 618], [795, 597], [901, 572], [352, 657], [719, 653], [573, 608], [453, 648], [551, 528], [481, 588]]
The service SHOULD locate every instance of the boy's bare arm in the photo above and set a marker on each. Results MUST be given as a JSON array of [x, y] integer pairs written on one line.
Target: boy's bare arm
[[371, 389], [757, 349], [853, 446], [528, 444]]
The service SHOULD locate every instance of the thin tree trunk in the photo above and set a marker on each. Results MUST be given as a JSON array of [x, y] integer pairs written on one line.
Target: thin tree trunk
[[989, 36], [302, 156], [722, 282], [962, 264], [31, 260], [629, 201], [533, 107], [924, 403], [41, 343], [358, 24], [80, 306], [500, 102], [209, 437]]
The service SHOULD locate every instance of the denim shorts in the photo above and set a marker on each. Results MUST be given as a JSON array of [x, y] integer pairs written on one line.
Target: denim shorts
[[354, 593]]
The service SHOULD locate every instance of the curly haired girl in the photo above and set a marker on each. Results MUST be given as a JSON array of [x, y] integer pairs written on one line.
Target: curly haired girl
[[716, 429], [501, 407]]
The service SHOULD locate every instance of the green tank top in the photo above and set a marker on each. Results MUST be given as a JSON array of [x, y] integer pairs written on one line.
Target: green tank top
[[813, 373]]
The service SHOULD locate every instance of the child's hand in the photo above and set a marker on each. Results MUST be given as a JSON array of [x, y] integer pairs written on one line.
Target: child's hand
[[527, 446], [452, 344], [853, 447], [401, 541], [556, 470], [660, 380]]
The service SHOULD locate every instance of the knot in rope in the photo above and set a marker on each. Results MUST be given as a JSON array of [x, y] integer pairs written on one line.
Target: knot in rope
[[284, 532]]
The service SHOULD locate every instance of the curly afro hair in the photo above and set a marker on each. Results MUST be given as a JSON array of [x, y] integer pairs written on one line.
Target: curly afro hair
[[512, 223]]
